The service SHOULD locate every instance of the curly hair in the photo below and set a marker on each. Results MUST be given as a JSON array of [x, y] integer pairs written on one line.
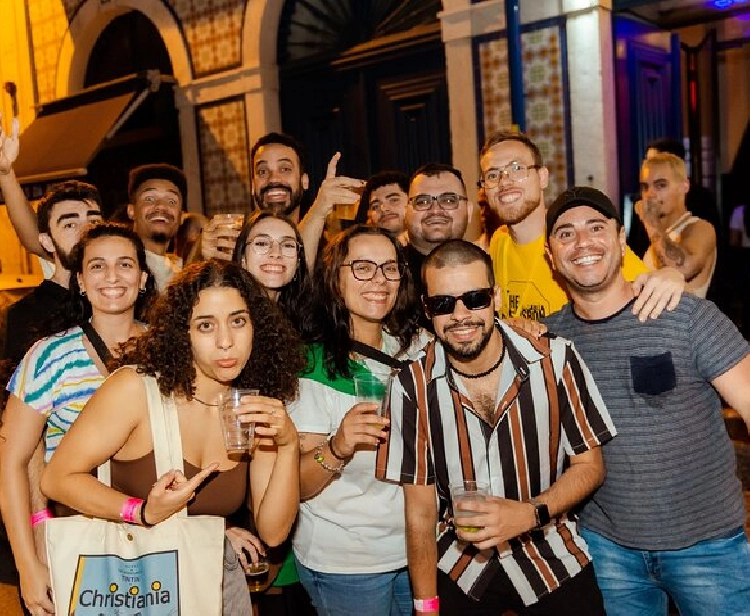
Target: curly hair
[[329, 321], [164, 351], [293, 297]]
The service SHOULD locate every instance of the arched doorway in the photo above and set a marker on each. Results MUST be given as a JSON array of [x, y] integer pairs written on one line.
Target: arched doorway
[[131, 44], [366, 77]]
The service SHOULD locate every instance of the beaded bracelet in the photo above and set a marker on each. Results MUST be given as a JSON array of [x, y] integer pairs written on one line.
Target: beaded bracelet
[[320, 459]]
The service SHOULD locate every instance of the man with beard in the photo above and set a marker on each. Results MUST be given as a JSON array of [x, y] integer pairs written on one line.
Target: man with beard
[[63, 214], [437, 210], [514, 178], [493, 405], [668, 519], [279, 183], [155, 196], [384, 201]]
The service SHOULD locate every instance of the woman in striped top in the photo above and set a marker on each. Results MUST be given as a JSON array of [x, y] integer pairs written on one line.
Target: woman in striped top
[[109, 283]]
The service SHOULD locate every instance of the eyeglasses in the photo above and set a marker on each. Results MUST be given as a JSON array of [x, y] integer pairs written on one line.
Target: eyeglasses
[[514, 171], [477, 299], [262, 244], [363, 269], [446, 201]]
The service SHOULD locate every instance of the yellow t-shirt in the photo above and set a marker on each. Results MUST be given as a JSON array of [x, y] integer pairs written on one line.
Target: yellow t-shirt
[[530, 287]]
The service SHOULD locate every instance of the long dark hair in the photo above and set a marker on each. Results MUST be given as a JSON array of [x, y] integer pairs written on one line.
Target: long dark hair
[[165, 351], [293, 297], [329, 321]]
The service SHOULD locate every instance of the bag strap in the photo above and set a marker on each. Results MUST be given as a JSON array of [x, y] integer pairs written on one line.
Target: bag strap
[[96, 341], [378, 355]]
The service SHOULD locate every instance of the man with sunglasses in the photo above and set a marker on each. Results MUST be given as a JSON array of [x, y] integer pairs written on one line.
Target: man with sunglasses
[[489, 404], [669, 517], [514, 177]]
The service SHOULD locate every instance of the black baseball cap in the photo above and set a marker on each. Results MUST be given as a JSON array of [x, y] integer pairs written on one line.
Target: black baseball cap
[[581, 195]]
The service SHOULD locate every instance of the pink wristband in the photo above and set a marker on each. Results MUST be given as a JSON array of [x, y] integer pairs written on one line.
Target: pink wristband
[[40, 516], [129, 511], [427, 605]]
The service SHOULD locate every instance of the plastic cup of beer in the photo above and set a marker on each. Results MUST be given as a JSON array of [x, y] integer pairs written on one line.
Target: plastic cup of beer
[[257, 574], [373, 388], [467, 493], [238, 435]]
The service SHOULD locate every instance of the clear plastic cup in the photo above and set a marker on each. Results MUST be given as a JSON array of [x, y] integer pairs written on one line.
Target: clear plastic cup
[[466, 493], [238, 435]]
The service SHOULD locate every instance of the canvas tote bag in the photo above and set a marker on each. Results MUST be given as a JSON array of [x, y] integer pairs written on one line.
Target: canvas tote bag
[[174, 568]]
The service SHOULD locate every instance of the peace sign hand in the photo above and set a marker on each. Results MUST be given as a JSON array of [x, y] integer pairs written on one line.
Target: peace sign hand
[[9, 145]]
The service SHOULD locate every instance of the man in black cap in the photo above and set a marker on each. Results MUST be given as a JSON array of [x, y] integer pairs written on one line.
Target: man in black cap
[[668, 519]]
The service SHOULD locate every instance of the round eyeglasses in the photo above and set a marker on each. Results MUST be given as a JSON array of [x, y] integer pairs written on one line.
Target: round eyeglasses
[[446, 201], [363, 269], [262, 245], [515, 172]]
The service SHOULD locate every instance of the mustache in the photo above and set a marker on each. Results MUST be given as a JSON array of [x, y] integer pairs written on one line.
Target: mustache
[[465, 323]]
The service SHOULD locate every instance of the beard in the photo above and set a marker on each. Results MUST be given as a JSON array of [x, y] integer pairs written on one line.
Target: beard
[[284, 208], [160, 237], [468, 351], [64, 257], [513, 214]]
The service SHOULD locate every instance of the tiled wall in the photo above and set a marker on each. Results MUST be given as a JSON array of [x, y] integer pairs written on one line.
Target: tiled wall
[[225, 166], [49, 21], [543, 75], [213, 30]]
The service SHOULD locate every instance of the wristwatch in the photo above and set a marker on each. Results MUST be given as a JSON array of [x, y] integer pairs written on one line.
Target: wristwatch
[[541, 512]]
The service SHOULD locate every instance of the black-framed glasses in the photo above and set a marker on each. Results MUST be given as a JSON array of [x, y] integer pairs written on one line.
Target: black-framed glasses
[[446, 201], [262, 245], [477, 299], [362, 269], [514, 171]]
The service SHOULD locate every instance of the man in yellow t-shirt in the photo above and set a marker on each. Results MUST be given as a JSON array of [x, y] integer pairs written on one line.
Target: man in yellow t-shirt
[[514, 178]]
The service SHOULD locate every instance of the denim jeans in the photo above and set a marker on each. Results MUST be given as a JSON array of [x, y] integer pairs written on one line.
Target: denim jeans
[[708, 578], [358, 594]]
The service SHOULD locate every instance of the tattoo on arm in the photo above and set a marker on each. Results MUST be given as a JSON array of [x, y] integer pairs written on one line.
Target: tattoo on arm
[[667, 252]]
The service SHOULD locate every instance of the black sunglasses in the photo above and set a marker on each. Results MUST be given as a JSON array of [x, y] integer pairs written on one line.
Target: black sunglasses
[[477, 299]]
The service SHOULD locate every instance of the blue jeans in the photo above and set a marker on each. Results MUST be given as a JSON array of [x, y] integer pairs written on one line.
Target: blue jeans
[[710, 577], [358, 594]]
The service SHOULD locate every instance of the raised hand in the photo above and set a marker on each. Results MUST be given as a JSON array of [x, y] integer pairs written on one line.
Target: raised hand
[[9, 145], [218, 239], [361, 426], [336, 189], [172, 492]]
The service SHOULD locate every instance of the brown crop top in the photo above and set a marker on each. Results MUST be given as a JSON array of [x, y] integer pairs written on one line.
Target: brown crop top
[[221, 494]]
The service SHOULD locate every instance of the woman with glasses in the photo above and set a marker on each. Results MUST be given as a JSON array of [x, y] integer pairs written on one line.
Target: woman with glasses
[[350, 542], [270, 248]]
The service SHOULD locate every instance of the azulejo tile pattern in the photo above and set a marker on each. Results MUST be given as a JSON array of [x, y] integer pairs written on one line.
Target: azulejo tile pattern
[[49, 21], [225, 164], [544, 96], [213, 30]]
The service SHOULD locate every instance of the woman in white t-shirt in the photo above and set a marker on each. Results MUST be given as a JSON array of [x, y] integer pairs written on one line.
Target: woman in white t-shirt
[[350, 541]]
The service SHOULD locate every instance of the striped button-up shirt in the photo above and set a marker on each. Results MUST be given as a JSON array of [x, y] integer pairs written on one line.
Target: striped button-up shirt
[[548, 408]]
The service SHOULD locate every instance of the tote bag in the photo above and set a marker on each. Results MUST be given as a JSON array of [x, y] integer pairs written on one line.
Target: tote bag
[[174, 568]]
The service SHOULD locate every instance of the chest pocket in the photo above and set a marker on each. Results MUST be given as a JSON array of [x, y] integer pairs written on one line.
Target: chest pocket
[[653, 374]]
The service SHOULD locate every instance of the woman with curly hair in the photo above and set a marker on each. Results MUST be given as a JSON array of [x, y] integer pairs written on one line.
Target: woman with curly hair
[[350, 542], [212, 329], [57, 376]]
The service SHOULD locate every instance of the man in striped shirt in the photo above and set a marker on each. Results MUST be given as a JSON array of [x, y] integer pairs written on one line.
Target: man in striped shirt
[[668, 520], [489, 404]]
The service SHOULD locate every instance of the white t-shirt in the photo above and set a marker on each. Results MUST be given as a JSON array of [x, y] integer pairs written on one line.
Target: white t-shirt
[[163, 267], [737, 223], [356, 523]]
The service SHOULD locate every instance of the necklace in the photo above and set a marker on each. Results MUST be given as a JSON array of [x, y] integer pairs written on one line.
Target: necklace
[[197, 399], [481, 374]]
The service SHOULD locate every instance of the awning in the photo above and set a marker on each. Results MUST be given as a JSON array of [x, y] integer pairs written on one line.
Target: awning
[[66, 135]]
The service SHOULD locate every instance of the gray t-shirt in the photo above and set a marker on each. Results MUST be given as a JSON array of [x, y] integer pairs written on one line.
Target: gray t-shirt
[[671, 471]]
